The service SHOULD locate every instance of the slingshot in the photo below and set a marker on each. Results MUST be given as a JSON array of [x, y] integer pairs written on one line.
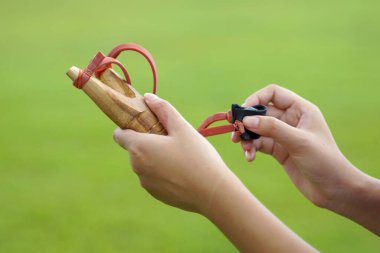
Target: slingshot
[[116, 97]]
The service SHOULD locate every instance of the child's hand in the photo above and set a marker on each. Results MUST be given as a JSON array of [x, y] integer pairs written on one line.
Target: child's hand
[[185, 171], [181, 169], [297, 135]]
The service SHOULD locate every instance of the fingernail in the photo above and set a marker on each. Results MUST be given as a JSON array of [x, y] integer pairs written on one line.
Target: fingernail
[[150, 96], [246, 154], [251, 122], [250, 155]]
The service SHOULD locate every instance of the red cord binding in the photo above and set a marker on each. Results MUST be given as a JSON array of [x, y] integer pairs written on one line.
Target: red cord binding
[[115, 52], [205, 131], [101, 62]]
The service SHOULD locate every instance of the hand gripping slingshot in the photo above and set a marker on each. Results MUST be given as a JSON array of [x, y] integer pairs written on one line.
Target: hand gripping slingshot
[[116, 97]]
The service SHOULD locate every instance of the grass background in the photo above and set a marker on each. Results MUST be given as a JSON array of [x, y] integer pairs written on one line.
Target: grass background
[[64, 184]]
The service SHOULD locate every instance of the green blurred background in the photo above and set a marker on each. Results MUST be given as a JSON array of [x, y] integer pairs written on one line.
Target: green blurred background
[[66, 187]]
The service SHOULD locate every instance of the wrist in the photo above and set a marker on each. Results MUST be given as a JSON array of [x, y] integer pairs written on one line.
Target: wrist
[[246, 222], [350, 184], [358, 199], [222, 187]]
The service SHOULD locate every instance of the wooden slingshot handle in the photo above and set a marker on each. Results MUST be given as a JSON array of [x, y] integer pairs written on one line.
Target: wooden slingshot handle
[[120, 102]]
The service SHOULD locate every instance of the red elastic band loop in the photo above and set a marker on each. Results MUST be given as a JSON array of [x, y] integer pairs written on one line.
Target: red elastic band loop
[[217, 130], [100, 63], [106, 63], [205, 131], [115, 52], [214, 118]]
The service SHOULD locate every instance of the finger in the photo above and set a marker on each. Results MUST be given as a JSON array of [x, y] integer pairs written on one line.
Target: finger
[[272, 111], [128, 139], [246, 145], [166, 113], [280, 97], [278, 130], [267, 145], [264, 145], [235, 137], [250, 154]]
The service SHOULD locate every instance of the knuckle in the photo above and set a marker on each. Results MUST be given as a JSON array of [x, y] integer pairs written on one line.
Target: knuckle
[[318, 200], [137, 160], [137, 169], [144, 183], [273, 86], [133, 152], [316, 108], [137, 150], [311, 108], [272, 124], [258, 144]]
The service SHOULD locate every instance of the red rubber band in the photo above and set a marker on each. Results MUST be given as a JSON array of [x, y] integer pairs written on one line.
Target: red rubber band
[[115, 52], [107, 63], [205, 131], [236, 126], [100, 63]]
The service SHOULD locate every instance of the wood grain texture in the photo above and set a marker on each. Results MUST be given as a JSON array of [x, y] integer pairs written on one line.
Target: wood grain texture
[[120, 102]]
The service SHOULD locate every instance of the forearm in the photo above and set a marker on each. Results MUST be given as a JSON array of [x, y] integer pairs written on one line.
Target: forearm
[[359, 200], [247, 223]]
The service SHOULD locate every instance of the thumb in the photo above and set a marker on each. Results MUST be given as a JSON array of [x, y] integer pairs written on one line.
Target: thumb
[[130, 139], [168, 116], [274, 128]]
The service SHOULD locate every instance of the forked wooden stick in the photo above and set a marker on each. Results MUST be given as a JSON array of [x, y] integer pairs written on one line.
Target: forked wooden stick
[[120, 102]]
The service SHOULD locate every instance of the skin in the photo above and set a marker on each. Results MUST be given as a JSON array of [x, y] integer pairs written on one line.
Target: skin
[[185, 171], [297, 136]]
